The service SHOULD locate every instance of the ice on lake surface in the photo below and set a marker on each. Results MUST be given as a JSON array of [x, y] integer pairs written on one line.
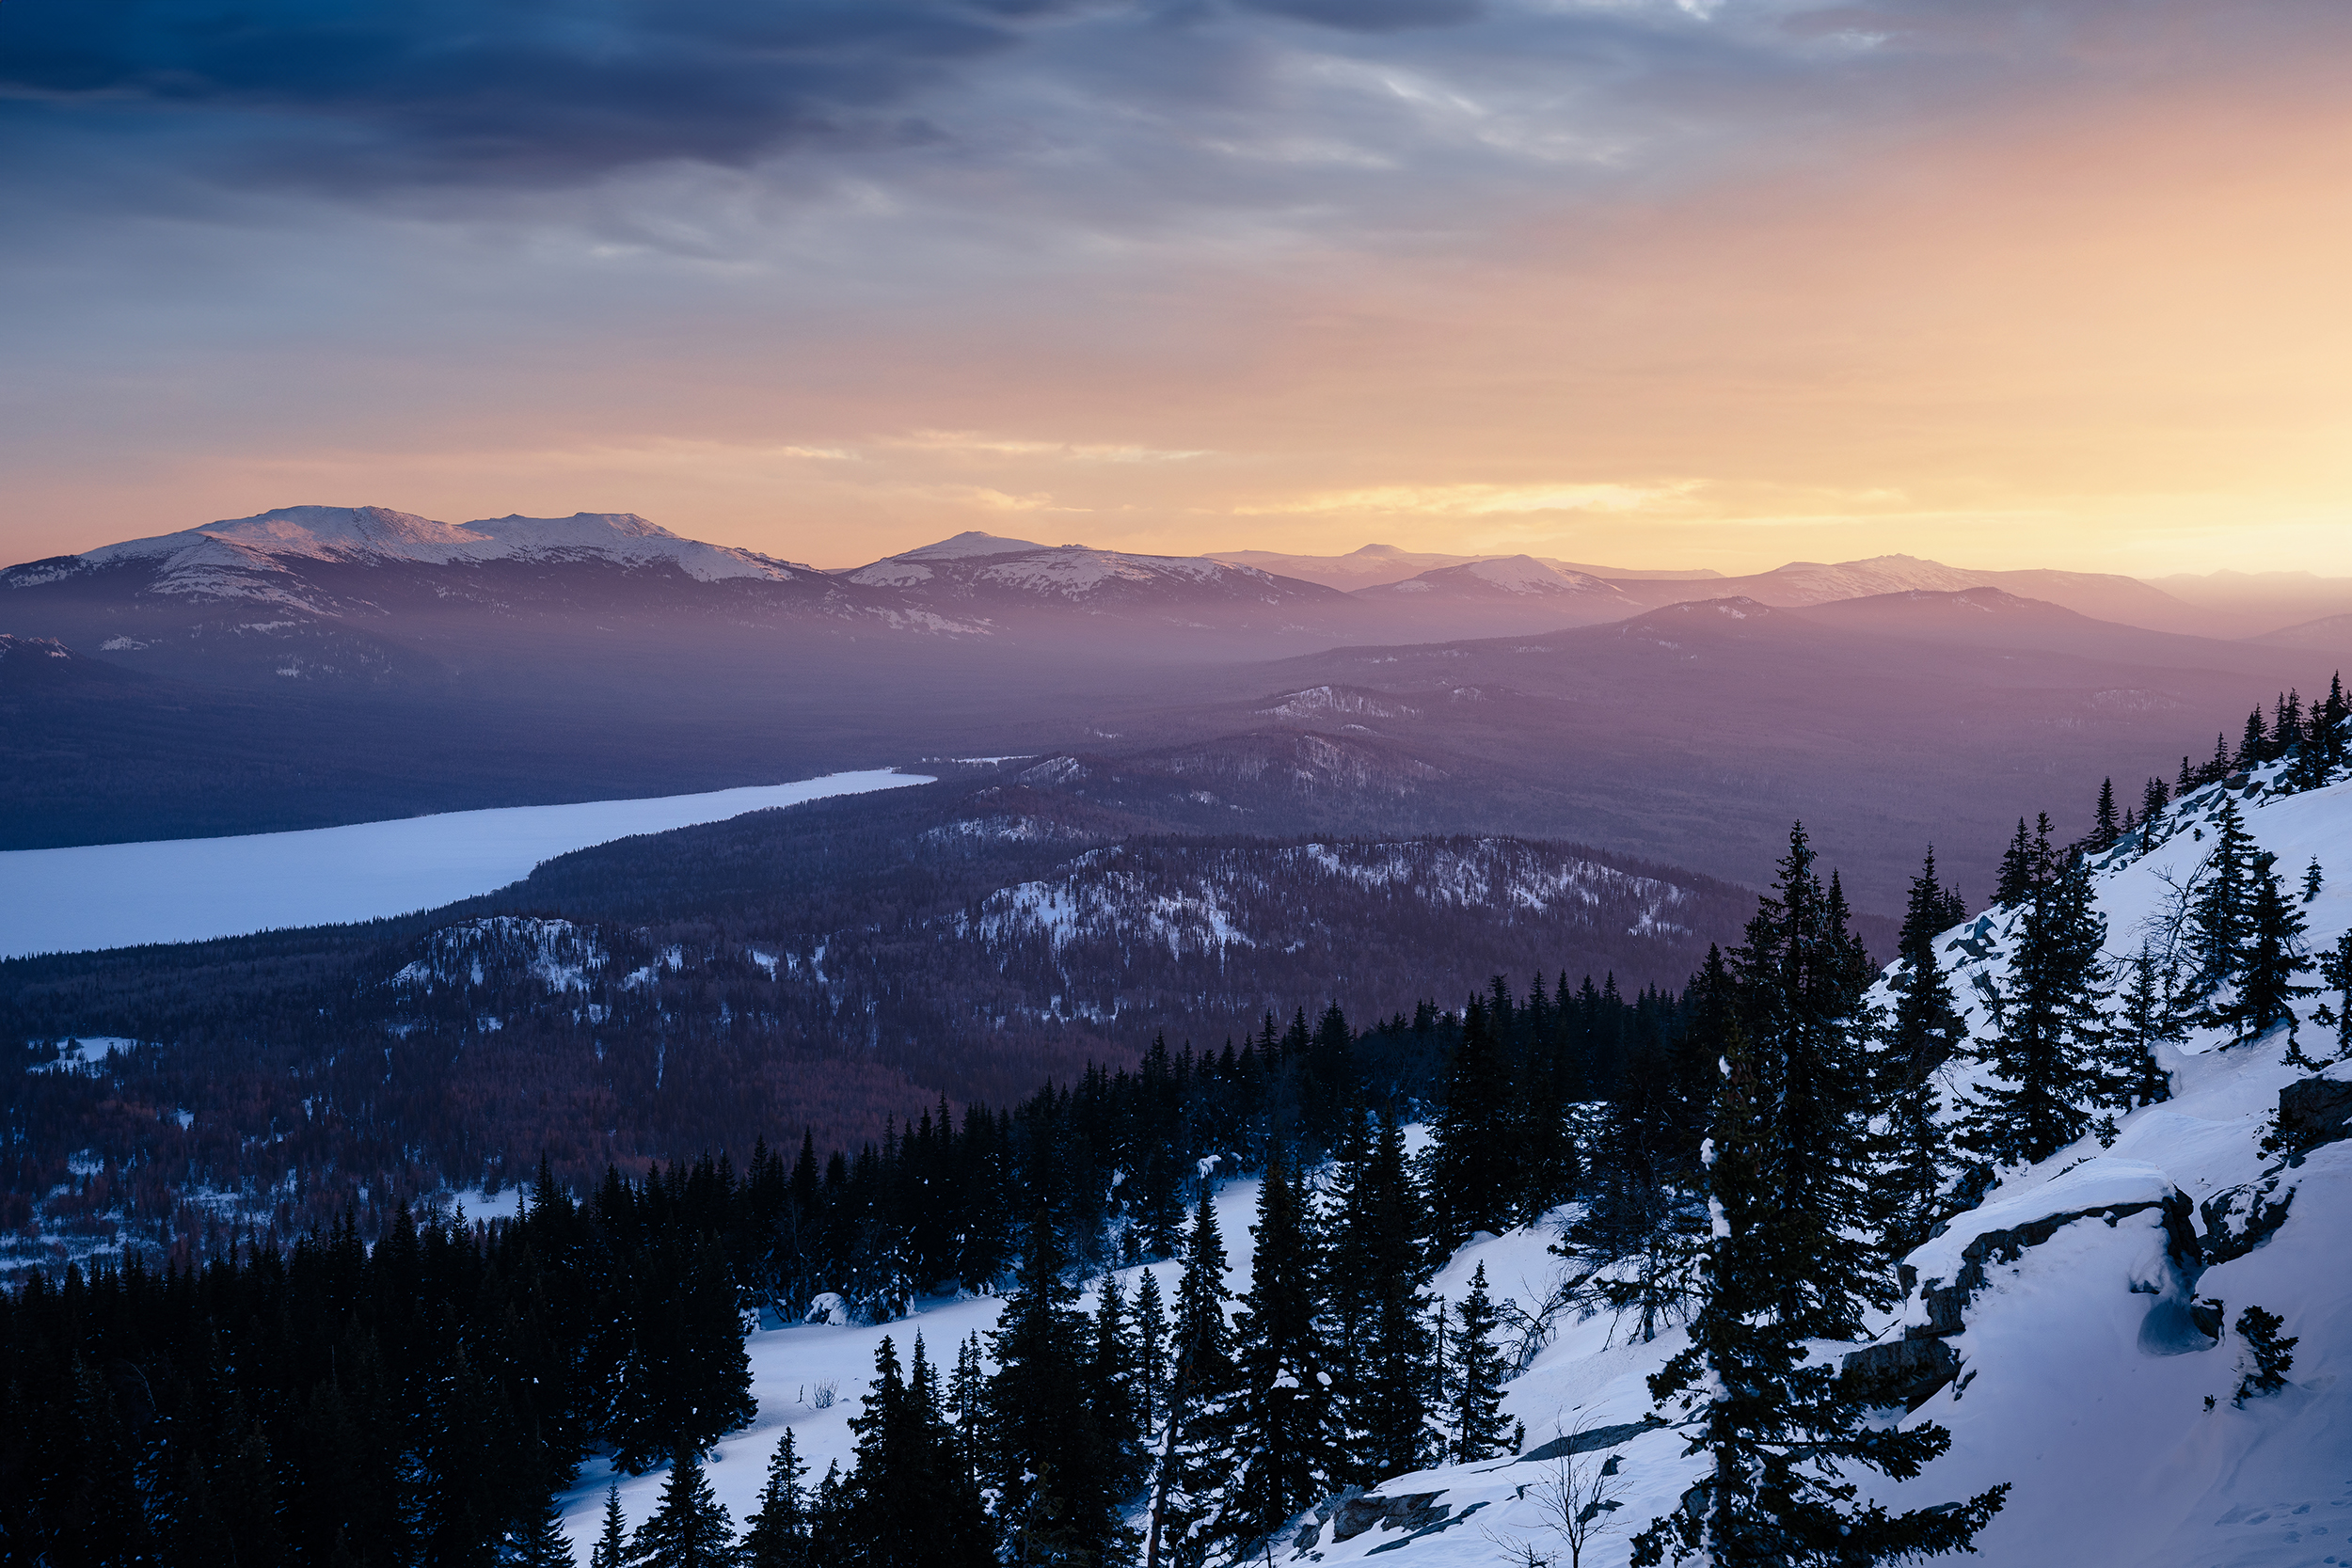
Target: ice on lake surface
[[191, 889]]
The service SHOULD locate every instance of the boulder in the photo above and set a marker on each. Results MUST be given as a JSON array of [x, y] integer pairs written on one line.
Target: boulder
[[2312, 1111], [1902, 1371]]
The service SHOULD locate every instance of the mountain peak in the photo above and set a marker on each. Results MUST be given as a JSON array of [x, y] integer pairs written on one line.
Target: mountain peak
[[972, 542]]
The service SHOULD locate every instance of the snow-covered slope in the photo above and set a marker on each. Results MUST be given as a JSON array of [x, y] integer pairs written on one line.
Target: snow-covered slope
[[2072, 1304], [2074, 1300]]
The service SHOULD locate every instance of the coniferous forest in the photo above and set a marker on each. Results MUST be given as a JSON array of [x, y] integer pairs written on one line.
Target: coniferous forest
[[1749, 1156]]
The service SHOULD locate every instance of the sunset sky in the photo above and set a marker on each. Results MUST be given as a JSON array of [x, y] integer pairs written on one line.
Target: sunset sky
[[1649, 284]]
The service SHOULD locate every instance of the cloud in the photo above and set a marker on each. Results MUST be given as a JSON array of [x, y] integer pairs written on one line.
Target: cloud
[[1479, 500], [972, 443], [374, 92]]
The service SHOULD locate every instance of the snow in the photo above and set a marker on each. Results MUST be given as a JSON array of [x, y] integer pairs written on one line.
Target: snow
[[1317, 702], [2101, 1430], [87, 1053], [223, 558], [967, 545], [790, 1364], [1524, 574], [188, 889]]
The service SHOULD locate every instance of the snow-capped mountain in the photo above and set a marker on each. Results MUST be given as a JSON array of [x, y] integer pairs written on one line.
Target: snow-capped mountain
[[1374, 565], [1501, 595], [980, 574], [275, 556]]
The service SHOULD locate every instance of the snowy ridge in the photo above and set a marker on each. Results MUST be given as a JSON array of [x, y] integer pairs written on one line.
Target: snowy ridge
[[1222, 898], [260, 557], [1319, 702], [558, 954]]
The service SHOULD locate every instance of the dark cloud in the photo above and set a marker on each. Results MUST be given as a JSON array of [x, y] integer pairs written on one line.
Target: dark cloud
[[498, 92], [1373, 16]]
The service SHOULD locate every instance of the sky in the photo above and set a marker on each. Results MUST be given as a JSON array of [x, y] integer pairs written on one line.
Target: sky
[[1719, 284]]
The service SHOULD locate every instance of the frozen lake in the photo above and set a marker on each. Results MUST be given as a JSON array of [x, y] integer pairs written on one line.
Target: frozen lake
[[190, 888]]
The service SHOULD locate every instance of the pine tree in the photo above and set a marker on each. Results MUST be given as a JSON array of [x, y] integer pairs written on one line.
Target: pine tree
[[2254, 748], [1055, 1471], [1278, 1430], [1151, 1353], [2015, 877], [2149, 1017], [611, 1548], [689, 1528], [777, 1535], [2222, 907], [537, 1541], [1189, 1474], [1474, 1395], [1926, 1028], [1472, 1172], [1924, 1032], [2271, 1355], [1800, 975], [2048, 1052], [1779, 1436], [2272, 957], [2104, 829], [1379, 1302], [2156, 799], [1113, 1380], [2336, 969]]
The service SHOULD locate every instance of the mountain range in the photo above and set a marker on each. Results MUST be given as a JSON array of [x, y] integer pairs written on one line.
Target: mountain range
[[316, 665]]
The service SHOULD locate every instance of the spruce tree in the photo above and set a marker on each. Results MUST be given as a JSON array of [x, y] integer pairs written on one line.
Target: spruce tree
[[1151, 1353], [2269, 1353], [1278, 1430], [1800, 975], [2149, 1018], [1780, 1438], [1474, 1392], [2156, 799], [1056, 1472], [2104, 829], [2018, 870], [2336, 969], [1472, 1174], [777, 1535], [689, 1528], [611, 1548], [2048, 1052], [1926, 1027], [1113, 1382], [2272, 957], [1923, 1033], [1189, 1474], [1378, 1300], [2221, 908], [537, 1540]]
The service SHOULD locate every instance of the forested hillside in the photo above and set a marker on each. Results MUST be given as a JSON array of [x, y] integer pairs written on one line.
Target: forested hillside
[[817, 970]]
